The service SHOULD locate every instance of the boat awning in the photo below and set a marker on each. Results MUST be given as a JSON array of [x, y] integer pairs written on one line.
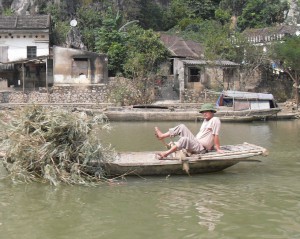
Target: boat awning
[[247, 95]]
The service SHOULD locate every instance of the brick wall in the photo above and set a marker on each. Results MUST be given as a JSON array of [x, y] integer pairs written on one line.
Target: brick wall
[[194, 96]]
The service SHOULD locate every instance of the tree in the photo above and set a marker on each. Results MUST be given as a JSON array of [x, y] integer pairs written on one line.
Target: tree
[[175, 12], [217, 42], [262, 13], [151, 15], [111, 41], [214, 37], [145, 52], [204, 9], [132, 51], [89, 18], [235, 7], [288, 54]]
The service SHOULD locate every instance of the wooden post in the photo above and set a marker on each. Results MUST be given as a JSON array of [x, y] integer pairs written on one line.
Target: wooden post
[[296, 89], [47, 80], [23, 79]]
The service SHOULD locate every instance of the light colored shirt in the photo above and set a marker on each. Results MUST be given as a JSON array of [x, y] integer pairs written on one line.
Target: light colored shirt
[[208, 130]]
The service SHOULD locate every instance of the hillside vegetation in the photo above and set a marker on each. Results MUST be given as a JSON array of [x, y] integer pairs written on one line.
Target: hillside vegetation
[[127, 31]]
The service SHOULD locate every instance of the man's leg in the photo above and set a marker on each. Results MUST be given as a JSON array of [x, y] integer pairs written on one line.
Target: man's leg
[[161, 135], [186, 141], [179, 130], [168, 152], [182, 131]]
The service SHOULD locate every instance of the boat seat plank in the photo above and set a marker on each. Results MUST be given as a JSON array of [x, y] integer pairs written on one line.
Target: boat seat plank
[[239, 152]]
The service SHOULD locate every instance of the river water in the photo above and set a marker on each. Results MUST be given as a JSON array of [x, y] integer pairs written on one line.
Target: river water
[[248, 200]]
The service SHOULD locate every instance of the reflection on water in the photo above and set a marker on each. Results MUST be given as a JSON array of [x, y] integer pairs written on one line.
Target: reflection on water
[[183, 200], [248, 200]]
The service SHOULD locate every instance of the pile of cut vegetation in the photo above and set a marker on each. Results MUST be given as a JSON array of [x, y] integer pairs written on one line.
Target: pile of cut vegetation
[[55, 145]]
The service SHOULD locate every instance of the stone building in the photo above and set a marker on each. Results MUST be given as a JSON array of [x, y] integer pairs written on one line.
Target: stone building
[[24, 49], [27, 60], [34, 71], [74, 66], [191, 74]]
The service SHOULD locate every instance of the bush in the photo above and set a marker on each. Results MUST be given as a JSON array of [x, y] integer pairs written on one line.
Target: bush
[[132, 91], [54, 145]]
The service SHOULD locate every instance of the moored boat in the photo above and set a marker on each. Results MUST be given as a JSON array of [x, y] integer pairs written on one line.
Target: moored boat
[[239, 103], [239, 119], [147, 163]]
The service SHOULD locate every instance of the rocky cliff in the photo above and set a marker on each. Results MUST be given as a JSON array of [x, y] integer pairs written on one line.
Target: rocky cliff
[[293, 15], [32, 7]]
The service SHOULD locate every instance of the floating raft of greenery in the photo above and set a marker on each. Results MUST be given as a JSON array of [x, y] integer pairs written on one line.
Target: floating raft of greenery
[[54, 145]]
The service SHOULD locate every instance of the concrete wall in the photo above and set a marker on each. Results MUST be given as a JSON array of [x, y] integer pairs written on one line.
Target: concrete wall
[[179, 76], [3, 84], [72, 66], [214, 77]]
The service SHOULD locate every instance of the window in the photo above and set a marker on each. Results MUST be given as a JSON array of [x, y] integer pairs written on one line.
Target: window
[[31, 51], [194, 74], [80, 67]]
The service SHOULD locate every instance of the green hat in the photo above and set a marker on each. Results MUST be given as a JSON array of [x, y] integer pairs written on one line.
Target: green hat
[[207, 107]]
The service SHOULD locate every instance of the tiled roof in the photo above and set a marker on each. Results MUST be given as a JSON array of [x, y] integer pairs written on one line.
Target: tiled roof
[[25, 22], [271, 33], [281, 29], [217, 62], [179, 47]]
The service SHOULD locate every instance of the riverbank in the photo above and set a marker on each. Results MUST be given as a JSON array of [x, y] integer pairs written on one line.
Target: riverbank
[[163, 111]]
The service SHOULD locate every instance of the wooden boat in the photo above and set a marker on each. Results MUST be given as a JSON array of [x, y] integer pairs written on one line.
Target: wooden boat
[[147, 163], [239, 103], [150, 115], [257, 114], [233, 106], [239, 119]]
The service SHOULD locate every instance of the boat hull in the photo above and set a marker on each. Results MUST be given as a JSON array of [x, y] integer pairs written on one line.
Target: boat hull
[[148, 163], [176, 167], [261, 113]]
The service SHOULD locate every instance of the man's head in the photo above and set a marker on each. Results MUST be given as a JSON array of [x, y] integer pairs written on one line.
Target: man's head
[[207, 110]]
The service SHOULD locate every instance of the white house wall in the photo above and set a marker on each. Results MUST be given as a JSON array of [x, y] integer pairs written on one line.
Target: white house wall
[[17, 46]]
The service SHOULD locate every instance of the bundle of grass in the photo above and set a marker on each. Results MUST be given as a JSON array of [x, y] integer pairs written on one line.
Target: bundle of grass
[[55, 145]]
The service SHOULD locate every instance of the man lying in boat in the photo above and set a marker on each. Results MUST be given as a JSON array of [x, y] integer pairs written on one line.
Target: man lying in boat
[[206, 139]]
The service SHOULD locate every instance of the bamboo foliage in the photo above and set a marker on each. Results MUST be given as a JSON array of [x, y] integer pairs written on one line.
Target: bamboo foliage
[[54, 145]]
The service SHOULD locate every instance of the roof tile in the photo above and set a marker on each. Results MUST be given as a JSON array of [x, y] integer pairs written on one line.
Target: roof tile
[[182, 48], [25, 22]]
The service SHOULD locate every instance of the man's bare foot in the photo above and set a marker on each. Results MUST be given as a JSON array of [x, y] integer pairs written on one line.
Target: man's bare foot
[[158, 133]]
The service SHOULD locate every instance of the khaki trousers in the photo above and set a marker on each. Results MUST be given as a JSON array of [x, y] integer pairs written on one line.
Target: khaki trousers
[[186, 139]]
